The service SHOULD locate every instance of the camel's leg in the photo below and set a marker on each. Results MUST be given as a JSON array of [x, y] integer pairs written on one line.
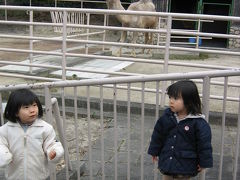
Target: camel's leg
[[135, 36], [146, 40], [122, 40], [150, 41]]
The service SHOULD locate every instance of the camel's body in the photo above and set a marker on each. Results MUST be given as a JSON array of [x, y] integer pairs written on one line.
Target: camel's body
[[135, 21]]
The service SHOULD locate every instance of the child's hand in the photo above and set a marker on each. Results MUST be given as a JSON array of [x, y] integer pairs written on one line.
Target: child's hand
[[154, 159], [52, 155], [199, 168]]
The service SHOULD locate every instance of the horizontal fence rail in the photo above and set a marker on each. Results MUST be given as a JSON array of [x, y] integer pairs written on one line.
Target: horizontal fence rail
[[132, 79], [64, 39]]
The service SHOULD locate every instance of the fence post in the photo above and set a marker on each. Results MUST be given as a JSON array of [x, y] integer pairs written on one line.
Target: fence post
[[223, 127], [76, 131], [205, 110], [235, 168], [158, 34], [142, 130], [129, 129], [156, 118], [88, 22], [5, 2], [104, 34], [115, 132], [31, 41], [64, 45], [48, 111], [166, 58], [102, 133], [89, 134], [198, 30]]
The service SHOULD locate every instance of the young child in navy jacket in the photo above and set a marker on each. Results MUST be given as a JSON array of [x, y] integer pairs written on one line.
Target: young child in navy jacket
[[181, 139]]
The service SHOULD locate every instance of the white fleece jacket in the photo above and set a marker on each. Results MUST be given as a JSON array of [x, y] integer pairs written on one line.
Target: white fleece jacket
[[25, 154]]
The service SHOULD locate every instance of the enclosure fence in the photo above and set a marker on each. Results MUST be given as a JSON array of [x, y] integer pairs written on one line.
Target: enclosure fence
[[97, 160], [163, 42]]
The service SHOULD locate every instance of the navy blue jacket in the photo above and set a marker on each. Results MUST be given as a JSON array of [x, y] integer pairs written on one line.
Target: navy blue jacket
[[182, 146]]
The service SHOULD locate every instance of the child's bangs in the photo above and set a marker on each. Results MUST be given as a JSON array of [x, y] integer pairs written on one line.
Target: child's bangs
[[27, 100], [174, 91]]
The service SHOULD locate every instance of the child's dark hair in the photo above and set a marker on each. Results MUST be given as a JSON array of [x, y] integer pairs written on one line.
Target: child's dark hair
[[18, 98], [188, 91]]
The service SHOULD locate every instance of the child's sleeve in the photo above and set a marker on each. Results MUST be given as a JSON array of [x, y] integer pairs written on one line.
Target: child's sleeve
[[204, 146], [50, 144], [156, 140], [5, 154]]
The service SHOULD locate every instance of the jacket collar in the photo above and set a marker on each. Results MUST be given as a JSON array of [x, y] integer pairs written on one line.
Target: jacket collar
[[190, 116], [36, 123], [169, 112]]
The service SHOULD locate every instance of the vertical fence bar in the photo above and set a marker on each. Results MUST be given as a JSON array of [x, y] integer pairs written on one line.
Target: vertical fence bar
[[205, 97], [102, 132], [5, 2], [159, 27], [166, 57], [128, 130], [71, 20], [31, 41], [66, 157], [58, 119], [198, 30], [82, 14], [89, 135], [235, 168], [115, 131], [48, 105], [156, 118], [87, 37], [142, 132], [48, 111], [64, 45], [223, 127], [59, 123], [1, 110], [104, 32], [76, 132], [205, 110], [59, 19]]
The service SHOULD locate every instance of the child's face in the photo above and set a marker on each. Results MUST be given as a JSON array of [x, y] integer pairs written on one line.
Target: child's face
[[28, 113], [177, 105]]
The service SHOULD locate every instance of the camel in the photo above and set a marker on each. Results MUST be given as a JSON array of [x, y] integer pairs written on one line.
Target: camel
[[135, 21]]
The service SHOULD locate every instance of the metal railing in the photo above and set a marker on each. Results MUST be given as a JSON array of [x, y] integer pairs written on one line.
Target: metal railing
[[65, 51], [122, 131]]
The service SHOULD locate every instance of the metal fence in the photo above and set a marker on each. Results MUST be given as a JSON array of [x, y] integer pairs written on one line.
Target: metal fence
[[125, 137], [65, 51]]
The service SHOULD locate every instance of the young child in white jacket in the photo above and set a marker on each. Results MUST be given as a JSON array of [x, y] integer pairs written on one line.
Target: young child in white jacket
[[27, 143]]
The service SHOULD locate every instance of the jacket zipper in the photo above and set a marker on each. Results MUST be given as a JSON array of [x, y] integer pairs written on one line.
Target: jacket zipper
[[25, 158]]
